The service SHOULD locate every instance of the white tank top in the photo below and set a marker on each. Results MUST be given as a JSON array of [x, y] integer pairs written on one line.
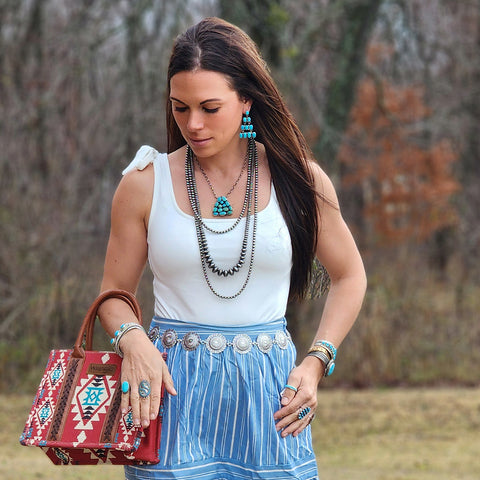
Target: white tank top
[[179, 285]]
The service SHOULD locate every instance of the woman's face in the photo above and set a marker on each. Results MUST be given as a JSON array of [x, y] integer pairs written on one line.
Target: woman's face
[[207, 110]]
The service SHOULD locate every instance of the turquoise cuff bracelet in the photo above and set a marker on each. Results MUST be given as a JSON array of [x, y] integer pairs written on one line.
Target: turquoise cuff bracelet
[[329, 346]]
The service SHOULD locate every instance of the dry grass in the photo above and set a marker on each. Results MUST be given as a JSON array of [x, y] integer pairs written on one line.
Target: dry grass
[[399, 434], [417, 434]]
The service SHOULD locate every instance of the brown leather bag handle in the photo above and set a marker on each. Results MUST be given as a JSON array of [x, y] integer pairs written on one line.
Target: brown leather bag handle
[[86, 330]]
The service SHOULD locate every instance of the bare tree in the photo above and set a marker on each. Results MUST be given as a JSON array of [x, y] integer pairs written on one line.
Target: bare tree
[[81, 87]]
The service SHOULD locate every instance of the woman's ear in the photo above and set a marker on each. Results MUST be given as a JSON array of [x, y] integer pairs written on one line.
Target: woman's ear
[[247, 105]]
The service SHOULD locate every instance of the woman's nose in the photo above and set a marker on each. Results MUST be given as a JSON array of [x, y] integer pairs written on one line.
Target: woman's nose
[[195, 121]]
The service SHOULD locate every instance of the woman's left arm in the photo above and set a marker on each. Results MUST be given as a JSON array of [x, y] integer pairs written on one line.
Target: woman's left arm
[[338, 253]]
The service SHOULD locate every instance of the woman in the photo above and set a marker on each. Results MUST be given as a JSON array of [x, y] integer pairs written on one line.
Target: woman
[[230, 222]]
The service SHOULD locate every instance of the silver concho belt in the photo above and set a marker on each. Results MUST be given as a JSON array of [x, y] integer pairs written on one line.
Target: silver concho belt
[[217, 342]]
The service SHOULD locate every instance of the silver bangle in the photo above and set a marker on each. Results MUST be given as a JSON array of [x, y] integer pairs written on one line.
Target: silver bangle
[[321, 356], [328, 363], [125, 328]]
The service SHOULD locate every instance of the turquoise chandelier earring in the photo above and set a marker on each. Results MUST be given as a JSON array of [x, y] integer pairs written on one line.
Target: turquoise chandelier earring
[[247, 127]]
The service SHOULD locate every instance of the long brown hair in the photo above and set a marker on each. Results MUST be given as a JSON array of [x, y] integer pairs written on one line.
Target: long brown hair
[[216, 45]]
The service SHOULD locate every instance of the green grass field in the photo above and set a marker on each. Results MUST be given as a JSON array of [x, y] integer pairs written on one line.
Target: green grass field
[[417, 434]]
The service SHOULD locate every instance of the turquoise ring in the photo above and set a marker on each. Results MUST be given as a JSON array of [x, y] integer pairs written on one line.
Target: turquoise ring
[[291, 388], [304, 412], [144, 389], [125, 387]]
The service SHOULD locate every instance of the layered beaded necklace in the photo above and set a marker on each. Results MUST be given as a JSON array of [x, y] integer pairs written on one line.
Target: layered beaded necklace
[[251, 195]]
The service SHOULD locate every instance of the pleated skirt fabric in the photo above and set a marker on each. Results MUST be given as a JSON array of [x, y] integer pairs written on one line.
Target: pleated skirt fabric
[[220, 425]]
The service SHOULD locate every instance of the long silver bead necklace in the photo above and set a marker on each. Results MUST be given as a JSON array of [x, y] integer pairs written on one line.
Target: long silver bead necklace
[[200, 226]]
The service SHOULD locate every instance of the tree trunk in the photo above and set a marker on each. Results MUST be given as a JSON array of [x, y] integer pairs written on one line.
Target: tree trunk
[[359, 19], [263, 21], [470, 172]]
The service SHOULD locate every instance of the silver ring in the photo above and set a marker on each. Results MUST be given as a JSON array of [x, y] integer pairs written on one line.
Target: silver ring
[[144, 389]]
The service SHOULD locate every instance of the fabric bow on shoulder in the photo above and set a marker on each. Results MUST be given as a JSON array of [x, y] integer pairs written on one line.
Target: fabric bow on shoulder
[[143, 157]]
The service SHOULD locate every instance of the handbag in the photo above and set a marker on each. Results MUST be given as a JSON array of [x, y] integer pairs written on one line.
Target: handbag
[[76, 417]]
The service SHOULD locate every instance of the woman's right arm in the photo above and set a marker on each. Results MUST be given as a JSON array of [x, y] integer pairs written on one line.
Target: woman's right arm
[[124, 263]]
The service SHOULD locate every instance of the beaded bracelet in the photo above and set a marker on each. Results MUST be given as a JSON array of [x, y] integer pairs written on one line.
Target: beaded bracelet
[[124, 328]]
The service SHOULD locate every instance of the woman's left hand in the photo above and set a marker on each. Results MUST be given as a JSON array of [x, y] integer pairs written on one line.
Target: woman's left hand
[[305, 379]]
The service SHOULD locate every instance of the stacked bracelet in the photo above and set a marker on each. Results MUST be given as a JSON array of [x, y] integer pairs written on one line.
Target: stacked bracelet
[[329, 346], [326, 353], [124, 328]]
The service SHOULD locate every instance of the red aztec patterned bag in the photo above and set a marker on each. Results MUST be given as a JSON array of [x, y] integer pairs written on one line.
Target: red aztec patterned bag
[[76, 417]]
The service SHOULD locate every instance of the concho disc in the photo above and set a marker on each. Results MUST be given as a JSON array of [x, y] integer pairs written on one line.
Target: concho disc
[[169, 338], [191, 341], [264, 342], [242, 343], [216, 343], [153, 334], [281, 339]]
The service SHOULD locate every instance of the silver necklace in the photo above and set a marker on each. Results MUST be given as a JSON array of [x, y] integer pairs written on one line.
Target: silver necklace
[[222, 206], [200, 226]]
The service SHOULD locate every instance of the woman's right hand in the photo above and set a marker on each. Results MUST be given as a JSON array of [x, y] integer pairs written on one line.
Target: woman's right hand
[[142, 361]]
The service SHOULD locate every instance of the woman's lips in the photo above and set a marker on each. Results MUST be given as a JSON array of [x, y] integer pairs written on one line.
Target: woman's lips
[[199, 142]]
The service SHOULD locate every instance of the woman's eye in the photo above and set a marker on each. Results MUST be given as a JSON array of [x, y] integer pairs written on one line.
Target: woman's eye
[[206, 110]]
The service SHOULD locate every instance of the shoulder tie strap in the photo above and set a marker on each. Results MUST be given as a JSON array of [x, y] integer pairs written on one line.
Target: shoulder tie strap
[[143, 157]]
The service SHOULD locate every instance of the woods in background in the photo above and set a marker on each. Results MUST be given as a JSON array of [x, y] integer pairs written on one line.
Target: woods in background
[[386, 92]]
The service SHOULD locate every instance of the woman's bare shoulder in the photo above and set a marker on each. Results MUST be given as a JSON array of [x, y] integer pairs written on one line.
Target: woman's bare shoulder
[[323, 183], [138, 180], [135, 191]]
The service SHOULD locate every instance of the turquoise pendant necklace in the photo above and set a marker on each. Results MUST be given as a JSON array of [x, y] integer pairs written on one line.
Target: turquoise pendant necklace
[[222, 206]]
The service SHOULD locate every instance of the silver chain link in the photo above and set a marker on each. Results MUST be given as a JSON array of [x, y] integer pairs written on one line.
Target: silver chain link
[[205, 176]]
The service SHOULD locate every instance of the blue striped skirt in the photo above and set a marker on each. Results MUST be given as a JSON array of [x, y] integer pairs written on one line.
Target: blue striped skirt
[[220, 425]]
